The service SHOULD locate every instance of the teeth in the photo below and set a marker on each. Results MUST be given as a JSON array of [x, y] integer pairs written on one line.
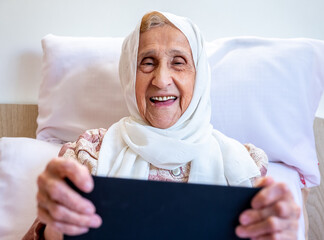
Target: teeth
[[164, 98]]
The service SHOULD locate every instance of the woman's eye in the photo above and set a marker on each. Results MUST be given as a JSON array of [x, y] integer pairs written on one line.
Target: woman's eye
[[147, 62], [178, 61], [147, 65]]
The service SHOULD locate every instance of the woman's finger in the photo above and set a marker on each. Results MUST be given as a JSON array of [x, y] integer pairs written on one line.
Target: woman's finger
[[58, 212], [270, 225], [43, 215], [42, 198], [270, 194], [76, 172], [282, 209], [61, 207], [69, 229], [264, 181], [52, 187], [64, 215], [286, 235], [62, 227], [60, 192], [57, 190]]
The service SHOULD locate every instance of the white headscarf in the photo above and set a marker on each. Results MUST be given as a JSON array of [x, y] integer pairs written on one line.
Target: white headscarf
[[131, 145]]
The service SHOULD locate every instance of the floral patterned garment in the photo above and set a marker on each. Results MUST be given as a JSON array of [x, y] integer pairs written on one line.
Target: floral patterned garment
[[86, 151]]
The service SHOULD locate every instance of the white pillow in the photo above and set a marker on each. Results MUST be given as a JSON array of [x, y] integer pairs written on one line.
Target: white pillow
[[80, 88], [264, 91], [21, 161], [267, 91]]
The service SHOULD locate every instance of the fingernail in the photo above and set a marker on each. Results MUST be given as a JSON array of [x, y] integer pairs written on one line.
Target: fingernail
[[88, 186], [95, 221], [239, 231], [84, 230], [244, 219]]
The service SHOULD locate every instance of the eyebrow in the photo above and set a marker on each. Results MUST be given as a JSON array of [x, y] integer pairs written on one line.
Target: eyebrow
[[146, 53]]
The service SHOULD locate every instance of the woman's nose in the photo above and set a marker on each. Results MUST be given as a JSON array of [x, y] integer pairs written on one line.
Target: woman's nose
[[162, 77]]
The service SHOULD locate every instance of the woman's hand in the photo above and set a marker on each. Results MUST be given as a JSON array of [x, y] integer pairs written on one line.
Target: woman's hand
[[62, 209], [274, 213]]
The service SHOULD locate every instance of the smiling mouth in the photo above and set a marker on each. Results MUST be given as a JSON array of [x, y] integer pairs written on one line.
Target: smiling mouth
[[162, 99]]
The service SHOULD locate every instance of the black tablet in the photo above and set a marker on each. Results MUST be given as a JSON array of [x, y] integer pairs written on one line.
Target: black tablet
[[146, 210]]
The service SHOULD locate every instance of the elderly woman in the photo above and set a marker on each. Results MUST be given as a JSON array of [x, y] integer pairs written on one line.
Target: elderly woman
[[166, 81]]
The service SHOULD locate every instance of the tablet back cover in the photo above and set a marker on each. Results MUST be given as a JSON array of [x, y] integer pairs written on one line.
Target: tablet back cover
[[138, 209]]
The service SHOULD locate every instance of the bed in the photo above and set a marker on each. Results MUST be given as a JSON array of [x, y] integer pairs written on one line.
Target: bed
[[269, 98]]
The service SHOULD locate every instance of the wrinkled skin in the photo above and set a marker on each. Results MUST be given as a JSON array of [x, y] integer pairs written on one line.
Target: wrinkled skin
[[165, 68], [61, 208]]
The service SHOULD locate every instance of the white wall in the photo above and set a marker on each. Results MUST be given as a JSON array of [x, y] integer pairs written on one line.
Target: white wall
[[24, 23]]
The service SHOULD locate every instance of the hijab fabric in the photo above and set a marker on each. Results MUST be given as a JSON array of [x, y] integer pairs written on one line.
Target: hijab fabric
[[131, 145]]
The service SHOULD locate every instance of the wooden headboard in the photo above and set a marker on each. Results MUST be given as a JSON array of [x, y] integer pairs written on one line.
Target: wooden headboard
[[315, 203], [18, 120]]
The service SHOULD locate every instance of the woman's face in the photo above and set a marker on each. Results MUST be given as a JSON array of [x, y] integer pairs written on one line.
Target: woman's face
[[165, 76]]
